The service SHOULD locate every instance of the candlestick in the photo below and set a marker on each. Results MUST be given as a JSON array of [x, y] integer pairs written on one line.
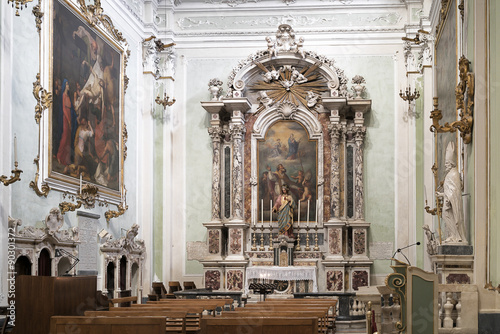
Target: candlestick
[[15, 148], [254, 246], [316, 247]]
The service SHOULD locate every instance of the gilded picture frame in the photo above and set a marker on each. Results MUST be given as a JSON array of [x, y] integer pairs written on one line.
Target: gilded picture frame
[[83, 134]]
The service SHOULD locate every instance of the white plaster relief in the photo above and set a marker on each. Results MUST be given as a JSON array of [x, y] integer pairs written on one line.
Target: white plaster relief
[[87, 249], [337, 20], [230, 3], [136, 5], [197, 250], [381, 250]]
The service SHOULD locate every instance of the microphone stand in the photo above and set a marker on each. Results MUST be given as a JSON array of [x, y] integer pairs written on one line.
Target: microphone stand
[[399, 250]]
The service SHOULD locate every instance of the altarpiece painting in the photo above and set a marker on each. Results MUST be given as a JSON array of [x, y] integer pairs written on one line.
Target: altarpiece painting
[[288, 156]]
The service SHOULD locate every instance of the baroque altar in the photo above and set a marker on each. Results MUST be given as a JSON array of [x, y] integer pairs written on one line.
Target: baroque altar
[[290, 118]]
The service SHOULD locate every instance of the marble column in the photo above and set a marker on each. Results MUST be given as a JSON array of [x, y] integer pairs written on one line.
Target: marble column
[[237, 135], [215, 133], [359, 135], [335, 134]]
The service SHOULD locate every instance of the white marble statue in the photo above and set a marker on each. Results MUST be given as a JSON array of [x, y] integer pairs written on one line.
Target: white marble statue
[[452, 211]]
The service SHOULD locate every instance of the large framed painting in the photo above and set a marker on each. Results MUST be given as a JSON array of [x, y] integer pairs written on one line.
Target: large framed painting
[[288, 156], [83, 64], [446, 61]]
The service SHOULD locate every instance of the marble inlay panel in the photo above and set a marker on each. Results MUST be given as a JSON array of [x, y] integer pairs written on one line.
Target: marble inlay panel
[[334, 242], [334, 280], [212, 279], [457, 279], [213, 241], [359, 241], [260, 255], [235, 236], [359, 278], [234, 280], [307, 255]]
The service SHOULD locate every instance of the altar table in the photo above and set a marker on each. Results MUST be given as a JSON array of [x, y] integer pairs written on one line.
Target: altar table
[[294, 273]]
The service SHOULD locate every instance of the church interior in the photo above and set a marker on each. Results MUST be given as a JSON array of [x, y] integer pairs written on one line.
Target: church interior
[[256, 151]]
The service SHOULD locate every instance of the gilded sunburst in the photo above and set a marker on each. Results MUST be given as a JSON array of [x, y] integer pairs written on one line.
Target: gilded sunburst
[[290, 84]]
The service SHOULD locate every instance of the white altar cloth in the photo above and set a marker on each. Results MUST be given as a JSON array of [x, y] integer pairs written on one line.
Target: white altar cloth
[[294, 273]]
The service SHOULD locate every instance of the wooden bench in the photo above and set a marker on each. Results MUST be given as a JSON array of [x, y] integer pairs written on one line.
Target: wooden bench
[[210, 305], [175, 320], [123, 301], [193, 313], [106, 325], [320, 314], [310, 301], [259, 325]]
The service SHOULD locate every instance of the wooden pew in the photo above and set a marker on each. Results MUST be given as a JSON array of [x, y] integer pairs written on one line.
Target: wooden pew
[[106, 325], [320, 314], [222, 301], [259, 325], [123, 300], [310, 301], [278, 305], [211, 305], [175, 319], [193, 313]]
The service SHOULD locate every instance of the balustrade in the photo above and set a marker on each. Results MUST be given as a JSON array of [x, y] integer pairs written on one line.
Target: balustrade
[[457, 307]]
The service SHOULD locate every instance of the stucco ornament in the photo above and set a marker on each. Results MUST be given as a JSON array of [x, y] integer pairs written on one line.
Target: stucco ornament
[[215, 88]]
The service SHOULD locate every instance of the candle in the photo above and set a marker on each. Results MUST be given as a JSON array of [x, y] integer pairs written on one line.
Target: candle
[[307, 224], [15, 148], [317, 212], [425, 194], [262, 211], [270, 212], [80, 183], [298, 217]]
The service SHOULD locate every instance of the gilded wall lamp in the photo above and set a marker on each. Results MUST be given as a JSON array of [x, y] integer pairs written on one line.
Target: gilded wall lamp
[[16, 172], [19, 4], [407, 95], [165, 102]]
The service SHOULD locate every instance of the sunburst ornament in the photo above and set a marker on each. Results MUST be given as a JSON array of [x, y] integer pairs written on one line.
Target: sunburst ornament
[[290, 84]]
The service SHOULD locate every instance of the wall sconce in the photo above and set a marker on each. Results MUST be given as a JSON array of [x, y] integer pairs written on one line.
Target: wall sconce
[[17, 172], [165, 102], [16, 177], [407, 95], [19, 4]]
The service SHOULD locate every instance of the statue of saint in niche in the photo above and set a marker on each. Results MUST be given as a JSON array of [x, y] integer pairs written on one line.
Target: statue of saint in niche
[[452, 211]]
